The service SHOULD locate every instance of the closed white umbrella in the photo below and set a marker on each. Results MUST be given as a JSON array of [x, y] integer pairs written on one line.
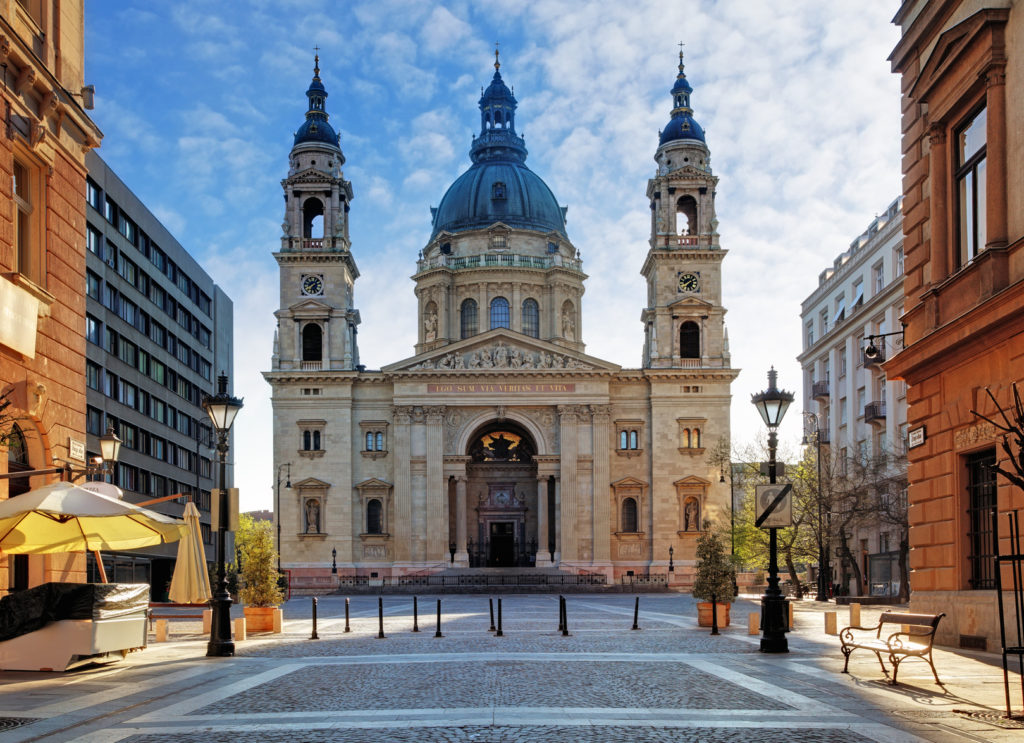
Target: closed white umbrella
[[190, 583]]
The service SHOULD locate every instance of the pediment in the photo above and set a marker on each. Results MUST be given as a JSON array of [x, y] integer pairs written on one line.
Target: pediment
[[501, 350], [953, 43], [311, 483], [629, 482], [691, 303], [310, 308], [372, 484], [692, 481]]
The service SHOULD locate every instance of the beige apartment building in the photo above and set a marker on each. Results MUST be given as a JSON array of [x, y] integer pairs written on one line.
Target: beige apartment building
[[500, 442]]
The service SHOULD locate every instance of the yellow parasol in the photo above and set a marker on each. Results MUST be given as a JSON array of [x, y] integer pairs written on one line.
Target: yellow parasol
[[190, 583]]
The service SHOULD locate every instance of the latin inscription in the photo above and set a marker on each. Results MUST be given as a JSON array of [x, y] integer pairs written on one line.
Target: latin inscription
[[499, 388]]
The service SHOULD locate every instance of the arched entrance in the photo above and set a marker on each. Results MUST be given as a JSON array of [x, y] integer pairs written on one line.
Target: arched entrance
[[502, 496]]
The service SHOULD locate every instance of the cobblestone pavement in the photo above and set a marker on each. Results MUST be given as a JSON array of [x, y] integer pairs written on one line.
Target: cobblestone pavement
[[670, 681]]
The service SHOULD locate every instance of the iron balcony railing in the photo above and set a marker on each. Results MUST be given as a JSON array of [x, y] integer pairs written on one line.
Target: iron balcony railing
[[874, 411], [819, 390]]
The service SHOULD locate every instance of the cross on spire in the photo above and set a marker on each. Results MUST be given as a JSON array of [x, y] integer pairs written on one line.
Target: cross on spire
[[497, 64]]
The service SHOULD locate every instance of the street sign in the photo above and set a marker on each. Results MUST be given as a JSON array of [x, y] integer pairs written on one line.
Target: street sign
[[774, 506], [780, 469]]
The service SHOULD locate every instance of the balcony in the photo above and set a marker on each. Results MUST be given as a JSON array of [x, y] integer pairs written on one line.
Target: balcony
[[874, 412], [696, 242], [504, 260], [819, 390]]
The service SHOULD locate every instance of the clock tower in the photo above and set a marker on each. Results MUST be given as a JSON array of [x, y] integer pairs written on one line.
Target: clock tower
[[316, 322], [684, 321]]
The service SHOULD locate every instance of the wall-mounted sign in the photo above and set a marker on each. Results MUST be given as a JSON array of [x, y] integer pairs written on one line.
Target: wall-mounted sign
[[76, 449], [916, 437]]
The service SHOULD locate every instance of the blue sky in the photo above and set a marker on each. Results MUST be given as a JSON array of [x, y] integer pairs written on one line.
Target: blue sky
[[198, 102]]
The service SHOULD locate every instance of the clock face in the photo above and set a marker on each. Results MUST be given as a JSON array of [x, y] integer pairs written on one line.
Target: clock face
[[313, 284], [689, 282]]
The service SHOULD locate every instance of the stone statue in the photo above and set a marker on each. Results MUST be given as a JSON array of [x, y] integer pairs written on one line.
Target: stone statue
[[516, 359], [501, 357], [691, 516], [430, 326], [568, 324], [312, 516]]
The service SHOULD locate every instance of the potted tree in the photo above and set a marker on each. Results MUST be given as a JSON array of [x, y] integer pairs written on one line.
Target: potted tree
[[257, 561], [715, 579]]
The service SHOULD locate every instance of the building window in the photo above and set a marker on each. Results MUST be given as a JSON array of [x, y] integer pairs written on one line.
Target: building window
[[823, 317], [858, 294], [312, 342], [374, 516], [94, 242], [92, 285], [897, 270], [970, 187], [468, 318], [92, 194], [689, 340], [878, 271], [311, 440], [842, 362], [93, 330], [374, 438], [809, 332], [499, 242], [629, 515], [840, 314], [499, 313], [981, 511], [498, 190], [629, 439], [531, 318], [110, 211], [27, 224]]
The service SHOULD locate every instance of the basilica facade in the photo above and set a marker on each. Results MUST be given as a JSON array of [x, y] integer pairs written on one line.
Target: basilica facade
[[500, 442]]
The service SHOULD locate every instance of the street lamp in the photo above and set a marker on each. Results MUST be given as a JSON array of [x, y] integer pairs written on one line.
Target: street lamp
[[222, 409], [671, 565], [824, 569], [277, 506], [772, 405]]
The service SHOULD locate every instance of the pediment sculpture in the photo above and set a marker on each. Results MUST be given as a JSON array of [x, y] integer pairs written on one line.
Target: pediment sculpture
[[501, 356]]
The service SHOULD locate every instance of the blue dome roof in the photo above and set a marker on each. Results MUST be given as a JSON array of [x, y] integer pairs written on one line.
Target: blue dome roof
[[499, 191], [682, 125], [315, 128], [498, 187]]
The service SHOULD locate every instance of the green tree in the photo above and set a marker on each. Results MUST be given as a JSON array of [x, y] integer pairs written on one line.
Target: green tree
[[257, 560], [716, 572]]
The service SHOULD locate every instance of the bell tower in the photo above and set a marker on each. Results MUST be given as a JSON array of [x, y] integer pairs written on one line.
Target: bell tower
[[316, 322], [684, 321]]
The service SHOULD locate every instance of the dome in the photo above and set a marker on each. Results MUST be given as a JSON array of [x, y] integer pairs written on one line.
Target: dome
[[315, 128], [499, 191], [498, 187], [682, 125]]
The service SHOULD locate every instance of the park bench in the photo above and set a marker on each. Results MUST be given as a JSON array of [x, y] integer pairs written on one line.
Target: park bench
[[913, 639], [159, 611]]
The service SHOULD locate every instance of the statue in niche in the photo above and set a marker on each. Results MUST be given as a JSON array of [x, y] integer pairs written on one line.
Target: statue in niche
[[430, 326], [568, 324], [312, 516], [691, 516]]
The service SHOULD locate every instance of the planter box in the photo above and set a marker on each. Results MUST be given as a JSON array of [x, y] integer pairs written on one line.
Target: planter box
[[259, 618], [704, 614]]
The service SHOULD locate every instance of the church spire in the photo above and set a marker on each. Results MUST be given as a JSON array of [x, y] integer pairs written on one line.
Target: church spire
[[498, 139], [315, 128]]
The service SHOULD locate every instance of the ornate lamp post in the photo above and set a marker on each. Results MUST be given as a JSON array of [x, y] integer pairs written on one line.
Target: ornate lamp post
[[772, 405], [671, 565], [824, 569], [277, 506], [222, 409]]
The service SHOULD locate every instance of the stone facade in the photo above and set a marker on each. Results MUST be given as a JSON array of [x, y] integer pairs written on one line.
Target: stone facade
[[962, 66], [42, 256], [500, 442]]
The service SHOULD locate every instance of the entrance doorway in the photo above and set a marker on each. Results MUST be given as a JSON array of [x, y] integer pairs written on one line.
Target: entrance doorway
[[502, 545]]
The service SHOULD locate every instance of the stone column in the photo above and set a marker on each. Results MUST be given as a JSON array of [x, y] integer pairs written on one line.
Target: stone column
[[543, 553], [602, 483], [995, 157], [556, 558], [327, 343], [461, 554], [297, 349], [569, 542], [437, 487], [939, 206], [403, 485]]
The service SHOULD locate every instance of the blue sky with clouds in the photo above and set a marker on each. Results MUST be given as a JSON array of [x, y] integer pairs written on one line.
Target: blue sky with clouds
[[198, 101]]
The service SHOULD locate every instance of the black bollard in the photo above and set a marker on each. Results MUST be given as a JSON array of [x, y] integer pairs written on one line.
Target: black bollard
[[560, 600], [499, 633], [714, 615], [415, 615], [565, 618], [380, 618], [636, 613], [314, 636], [491, 602], [347, 627], [438, 632]]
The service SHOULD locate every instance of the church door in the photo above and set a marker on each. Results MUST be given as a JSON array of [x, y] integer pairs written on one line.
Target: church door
[[502, 545]]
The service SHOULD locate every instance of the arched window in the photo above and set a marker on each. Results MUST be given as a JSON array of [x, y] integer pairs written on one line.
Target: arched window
[[374, 520], [316, 441], [624, 439], [380, 441], [686, 216], [499, 313], [531, 318], [312, 343], [696, 438], [687, 441], [633, 443], [369, 441], [17, 449], [629, 520], [689, 340], [307, 442], [468, 318], [313, 219]]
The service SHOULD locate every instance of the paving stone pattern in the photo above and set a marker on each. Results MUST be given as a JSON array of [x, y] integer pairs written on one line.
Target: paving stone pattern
[[527, 734], [502, 684]]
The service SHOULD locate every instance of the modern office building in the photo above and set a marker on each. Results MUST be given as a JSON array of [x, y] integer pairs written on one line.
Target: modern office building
[[158, 332], [962, 67], [860, 414], [42, 259]]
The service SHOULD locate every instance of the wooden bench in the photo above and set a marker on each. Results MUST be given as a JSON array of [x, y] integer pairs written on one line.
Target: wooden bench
[[915, 642], [155, 613]]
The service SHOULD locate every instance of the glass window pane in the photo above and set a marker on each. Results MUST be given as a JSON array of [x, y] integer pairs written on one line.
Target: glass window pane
[[972, 137], [979, 215], [499, 313]]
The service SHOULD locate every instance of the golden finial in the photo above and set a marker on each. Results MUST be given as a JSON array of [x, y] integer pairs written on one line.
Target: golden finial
[[681, 74], [497, 64], [316, 61]]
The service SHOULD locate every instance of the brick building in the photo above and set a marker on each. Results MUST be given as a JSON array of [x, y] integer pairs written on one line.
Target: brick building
[[962, 65], [42, 255]]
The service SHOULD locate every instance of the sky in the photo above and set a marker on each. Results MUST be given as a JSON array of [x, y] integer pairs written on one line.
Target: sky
[[198, 102]]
